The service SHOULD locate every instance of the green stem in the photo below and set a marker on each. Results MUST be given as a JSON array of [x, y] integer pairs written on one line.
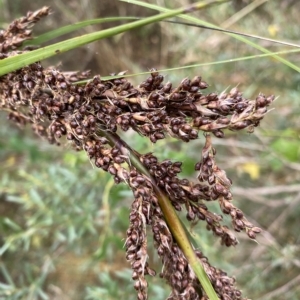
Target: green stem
[[175, 224], [201, 22], [16, 62]]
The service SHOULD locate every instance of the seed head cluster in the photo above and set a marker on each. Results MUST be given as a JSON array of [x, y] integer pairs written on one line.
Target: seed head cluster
[[89, 116]]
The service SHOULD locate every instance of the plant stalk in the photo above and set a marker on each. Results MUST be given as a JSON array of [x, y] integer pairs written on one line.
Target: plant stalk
[[176, 226]]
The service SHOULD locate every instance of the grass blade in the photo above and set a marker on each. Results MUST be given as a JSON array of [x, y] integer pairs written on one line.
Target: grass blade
[[201, 22], [231, 60], [13, 63], [237, 33], [45, 37]]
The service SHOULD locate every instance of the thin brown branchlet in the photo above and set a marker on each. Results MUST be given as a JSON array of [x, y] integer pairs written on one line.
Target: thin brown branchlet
[[57, 107], [136, 242], [19, 30]]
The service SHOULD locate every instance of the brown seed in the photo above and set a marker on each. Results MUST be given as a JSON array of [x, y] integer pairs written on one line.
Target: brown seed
[[239, 214], [78, 130], [70, 136], [195, 81], [135, 275], [159, 135], [198, 166], [63, 85], [175, 129], [220, 189], [58, 133], [203, 85], [218, 133], [112, 170], [239, 223], [186, 83], [256, 229], [190, 215], [251, 234]]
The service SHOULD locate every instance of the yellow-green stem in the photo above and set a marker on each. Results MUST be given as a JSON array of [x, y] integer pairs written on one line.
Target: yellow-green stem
[[176, 226]]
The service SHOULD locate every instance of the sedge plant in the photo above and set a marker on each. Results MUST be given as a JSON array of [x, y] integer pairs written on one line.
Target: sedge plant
[[89, 114]]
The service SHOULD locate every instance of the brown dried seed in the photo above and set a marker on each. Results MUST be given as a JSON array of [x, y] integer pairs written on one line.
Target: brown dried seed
[[239, 214], [70, 136], [200, 215], [223, 121], [241, 125], [195, 81], [137, 285], [194, 89], [209, 220], [150, 271], [218, 231], [140, 179], [256, 229], [218, 284], [198, 166], [112, 170], [251, 234], [58, 133], [220, 189], [136, 264], [197, 122], [190, 215], [153, 138], [159, 135], [154, 72], [239, 223], [203, 85], [211, 179], [178, 275], [186, 83], [135, 275], [160, 251], [186, 128], [261, 101], [167, 87], [218, 133]]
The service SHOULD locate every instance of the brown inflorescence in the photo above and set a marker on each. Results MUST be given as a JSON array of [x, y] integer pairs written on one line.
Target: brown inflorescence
[[89, 115]]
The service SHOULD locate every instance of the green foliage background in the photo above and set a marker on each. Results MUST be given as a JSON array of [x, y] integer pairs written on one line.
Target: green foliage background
[[63, 223]]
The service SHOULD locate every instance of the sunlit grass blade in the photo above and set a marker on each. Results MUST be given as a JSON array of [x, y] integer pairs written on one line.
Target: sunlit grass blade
[[201, 22], [16, 62], [231, 60], [237, 33], [48, 36]]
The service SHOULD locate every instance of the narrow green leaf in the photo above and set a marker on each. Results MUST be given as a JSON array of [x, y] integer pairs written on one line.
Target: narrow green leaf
[[4, 248], [13, 63], [231, 60], [10, 223], [201, 22], [45, 37], [235, 32], [6, 275]]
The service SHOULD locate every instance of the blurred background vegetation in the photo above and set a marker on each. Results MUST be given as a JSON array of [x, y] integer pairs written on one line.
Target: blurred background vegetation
[[63, 223]]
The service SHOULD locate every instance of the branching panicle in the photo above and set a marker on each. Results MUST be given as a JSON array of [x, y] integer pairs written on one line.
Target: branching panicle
[[89, 117]]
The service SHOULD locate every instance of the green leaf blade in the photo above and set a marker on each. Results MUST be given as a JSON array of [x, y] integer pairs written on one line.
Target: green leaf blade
[[201, 22], [13, 63], [43, 38]]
